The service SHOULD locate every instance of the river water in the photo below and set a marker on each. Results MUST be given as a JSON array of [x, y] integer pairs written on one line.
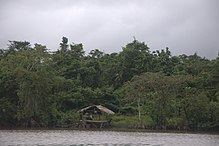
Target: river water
[[103, 138]]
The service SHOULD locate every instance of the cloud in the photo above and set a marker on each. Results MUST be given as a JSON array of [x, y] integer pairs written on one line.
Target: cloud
[[183, 26]]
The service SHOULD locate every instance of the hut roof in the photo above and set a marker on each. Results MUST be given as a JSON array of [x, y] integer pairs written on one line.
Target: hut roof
[[96, 109]]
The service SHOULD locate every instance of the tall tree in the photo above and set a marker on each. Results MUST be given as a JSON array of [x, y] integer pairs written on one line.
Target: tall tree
[[34, 77], [160, 90], [134, 60], [64, 44]]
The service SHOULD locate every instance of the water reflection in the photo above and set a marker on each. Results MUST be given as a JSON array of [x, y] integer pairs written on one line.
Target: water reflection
[[103, 138]]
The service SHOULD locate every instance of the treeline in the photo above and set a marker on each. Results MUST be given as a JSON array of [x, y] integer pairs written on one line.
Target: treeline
[[147, 89]]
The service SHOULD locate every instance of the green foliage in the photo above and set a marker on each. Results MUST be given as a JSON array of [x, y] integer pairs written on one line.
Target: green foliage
[[130, 121], [148, 89], [69, 117], [133, 60], [64, 44], [7, 112]]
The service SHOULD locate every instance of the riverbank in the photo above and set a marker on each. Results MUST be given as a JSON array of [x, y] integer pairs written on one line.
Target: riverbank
[[117, 130]]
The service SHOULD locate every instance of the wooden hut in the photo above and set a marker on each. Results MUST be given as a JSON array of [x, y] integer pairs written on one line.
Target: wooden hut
[[96, 116]]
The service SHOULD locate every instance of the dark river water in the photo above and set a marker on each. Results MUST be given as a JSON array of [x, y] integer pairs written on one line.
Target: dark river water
[[103, 138]]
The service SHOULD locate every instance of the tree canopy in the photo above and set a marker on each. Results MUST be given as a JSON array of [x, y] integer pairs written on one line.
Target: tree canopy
[[45, 89]]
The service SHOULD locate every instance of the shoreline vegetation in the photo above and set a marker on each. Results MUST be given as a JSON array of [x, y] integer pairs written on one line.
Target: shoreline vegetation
[[151, 90]]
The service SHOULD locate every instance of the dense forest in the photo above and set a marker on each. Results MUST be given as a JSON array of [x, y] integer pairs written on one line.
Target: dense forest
[[146, 89]]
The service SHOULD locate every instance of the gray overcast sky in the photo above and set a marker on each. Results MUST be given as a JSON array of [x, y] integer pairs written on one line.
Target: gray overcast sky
[[185, 26]]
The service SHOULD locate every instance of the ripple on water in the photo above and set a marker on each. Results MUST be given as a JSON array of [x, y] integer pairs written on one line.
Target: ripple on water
[[103, 138]]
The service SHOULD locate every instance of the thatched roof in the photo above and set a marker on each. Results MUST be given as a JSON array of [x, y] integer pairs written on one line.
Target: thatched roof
[[96, 109]]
